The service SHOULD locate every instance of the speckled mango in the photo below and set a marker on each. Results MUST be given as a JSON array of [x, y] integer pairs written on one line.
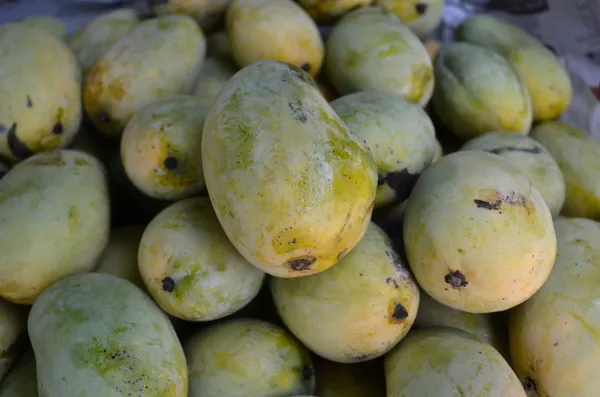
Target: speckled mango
[[189, 266], [328, 11], [578, 156], [399, 134], [120, 255], [94, 39], [215, 73], [292, 186], [369, 49], [208, 13], [554, 336], [367, 303], [160, 57], [478, 236], [58, 203], [244, 357], [364, 379], [547, 81], [532, 158], [278, 30], [99, 335], [445, 362], [477, 91], [40, 87], [21, 381], [48, 24], [13, 323], [161, 146], [421, 16]]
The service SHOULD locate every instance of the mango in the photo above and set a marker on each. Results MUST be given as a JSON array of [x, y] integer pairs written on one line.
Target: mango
[[478, 236], [329, 11], [532, 158], [421, 16], [161, 145], [477, 91], [94, 39], [99, 335], [444, 362], [40, 87], [120, 257], [344, 380], [554, 335], [21, 381], [244, 357], [367, 303], [292, 187], [277, 30], [13, 323], [439, 151], [215, 73], [400, 135], [578, 156], [540, 71], [160, 57], [207, 13], [58, 203], [48, 24], [189, 266], [369, 49]]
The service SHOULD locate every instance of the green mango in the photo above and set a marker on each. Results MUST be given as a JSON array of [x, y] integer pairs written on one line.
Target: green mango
[[98, 335], [40, 87], [120, 257], [55, 216], [292, 187], [21, 381], [48, 24], [13, 323], [160, 57]]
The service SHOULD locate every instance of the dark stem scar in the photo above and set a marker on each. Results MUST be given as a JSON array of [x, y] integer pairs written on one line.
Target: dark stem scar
[[533, 150], [305, 67], [29, 102], [456, 279], [168, 284], [16, 146], [487, 205], [529, 384], [104, 117], [402, 182], [58, 128], [421, 8], [400, 312], [307, 372], [170, 163], [303, 263]]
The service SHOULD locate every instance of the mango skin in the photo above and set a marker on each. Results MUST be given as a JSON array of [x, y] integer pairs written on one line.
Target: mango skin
[[208, 13], [48, 24], [99, 335], [215, 73], [58, 203], [547, 81], [245, 357], [444, 362], [478, 236], [367, 303], [160, 57], [189, 266], [292, 187], [328, 11], [250, 27], [364, 379], [578, 156], [41, 105], [13, 324], [554, 335], [439, 151], [421, 16], [369, 49], [532, 158], [399, 134], [21, 381], [477, 91], [94, 39], [120, 255], [161, 145]]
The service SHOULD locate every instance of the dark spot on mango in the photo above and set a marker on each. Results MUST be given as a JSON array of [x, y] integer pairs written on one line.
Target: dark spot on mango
[[529, 384], [307, 372], [170, 163], [487, 205], [400, 312], [392, 283], [29, 102], [342, 254], [16, 146], [305, 67], [402, 182], [58, 128], [533, 150], [104, 117], [168, 284], [303, 263], [394, 257], [380, 180], [456, 279], [298, 111], [421, 8]]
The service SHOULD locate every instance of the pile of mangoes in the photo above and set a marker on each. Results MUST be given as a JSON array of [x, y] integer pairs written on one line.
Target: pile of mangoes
[[217, 200]]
